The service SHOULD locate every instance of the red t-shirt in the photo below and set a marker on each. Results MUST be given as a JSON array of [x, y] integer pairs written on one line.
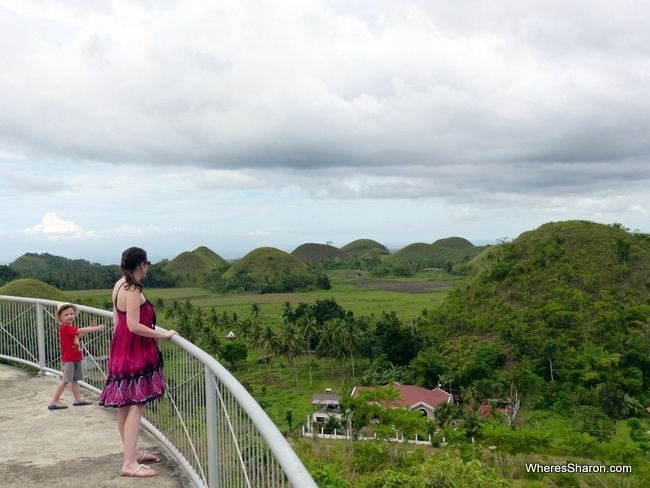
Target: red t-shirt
[[70, 344]]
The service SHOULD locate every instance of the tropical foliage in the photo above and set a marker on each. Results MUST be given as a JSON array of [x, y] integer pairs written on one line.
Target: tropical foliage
[[558, 317]]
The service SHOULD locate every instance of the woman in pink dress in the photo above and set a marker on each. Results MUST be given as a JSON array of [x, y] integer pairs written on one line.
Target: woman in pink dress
[[135, 369]]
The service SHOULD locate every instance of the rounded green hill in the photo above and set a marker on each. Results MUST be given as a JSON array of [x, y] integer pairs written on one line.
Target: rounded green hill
[[567, 272], [211, 256], [29, 263], [191, 268], [449, 250], [267, 270], [317, 253], [265, 263], [31, 288], [454, 243], [361, 247]]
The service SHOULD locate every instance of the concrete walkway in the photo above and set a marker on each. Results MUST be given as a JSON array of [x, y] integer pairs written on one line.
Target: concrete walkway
[[75, 447]]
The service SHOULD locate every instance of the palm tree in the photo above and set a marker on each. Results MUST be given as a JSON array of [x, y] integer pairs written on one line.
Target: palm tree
[[446, 413], [287, 311], [482, 391], [256, 333], [210, 341], [472, 423], [309, 329], [214, 318], [310, 332], [244, 327], [330, 343], [173, 310], [350, 337], [256, 310], [268, 341], [337, 345], [292, 344]]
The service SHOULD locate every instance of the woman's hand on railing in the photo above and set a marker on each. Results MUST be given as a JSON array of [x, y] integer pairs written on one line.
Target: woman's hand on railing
[[169, 334]]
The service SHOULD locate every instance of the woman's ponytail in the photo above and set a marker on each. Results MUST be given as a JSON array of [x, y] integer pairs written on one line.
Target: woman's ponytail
[[131, 259]]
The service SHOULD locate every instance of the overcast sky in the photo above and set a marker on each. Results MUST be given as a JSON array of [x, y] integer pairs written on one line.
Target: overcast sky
[[240, 124]]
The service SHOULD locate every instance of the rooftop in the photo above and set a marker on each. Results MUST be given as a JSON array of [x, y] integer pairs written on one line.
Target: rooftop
[[413, 395]]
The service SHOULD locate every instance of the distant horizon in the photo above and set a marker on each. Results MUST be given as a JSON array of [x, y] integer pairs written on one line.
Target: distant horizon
[[228, 255]]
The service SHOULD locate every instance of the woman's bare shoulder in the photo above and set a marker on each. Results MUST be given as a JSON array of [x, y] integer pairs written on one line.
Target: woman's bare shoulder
[[122, 290], [122, 285]]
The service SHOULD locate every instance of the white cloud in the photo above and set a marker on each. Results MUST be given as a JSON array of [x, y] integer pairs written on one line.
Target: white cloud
[[53, 227]]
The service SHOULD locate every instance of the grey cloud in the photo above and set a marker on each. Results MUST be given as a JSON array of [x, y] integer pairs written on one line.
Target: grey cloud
[[464, 97], [14, 178]]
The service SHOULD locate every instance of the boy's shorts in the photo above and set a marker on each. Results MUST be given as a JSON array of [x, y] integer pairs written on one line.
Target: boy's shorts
[[72, 371]]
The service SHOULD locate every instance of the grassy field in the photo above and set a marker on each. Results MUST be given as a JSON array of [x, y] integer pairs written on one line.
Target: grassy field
[[352, 290], [274, 385]]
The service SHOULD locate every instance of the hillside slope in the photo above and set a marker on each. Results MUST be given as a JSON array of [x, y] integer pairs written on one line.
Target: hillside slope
[[567, 303]]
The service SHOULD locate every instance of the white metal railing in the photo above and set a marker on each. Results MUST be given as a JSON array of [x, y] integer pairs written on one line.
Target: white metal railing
[[208, 421]]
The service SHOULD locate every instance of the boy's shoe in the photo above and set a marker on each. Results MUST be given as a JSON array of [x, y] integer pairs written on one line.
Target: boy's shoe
[[60, 406]]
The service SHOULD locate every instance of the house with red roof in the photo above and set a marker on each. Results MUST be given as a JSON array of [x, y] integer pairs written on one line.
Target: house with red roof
[[415, 398]]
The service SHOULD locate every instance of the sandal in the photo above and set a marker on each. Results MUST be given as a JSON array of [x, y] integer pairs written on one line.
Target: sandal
[[144, 474], [58, 406]]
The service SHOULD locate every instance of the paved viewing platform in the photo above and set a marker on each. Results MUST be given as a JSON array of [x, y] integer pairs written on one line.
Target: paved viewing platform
[[74, 447]]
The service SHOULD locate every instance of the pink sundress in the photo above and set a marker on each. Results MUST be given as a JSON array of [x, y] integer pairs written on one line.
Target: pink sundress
[[135, 367]]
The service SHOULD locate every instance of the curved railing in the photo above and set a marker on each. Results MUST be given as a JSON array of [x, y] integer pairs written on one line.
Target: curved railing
[[208, 421]]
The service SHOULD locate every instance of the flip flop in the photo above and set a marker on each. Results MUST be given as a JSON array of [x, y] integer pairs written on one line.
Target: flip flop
[[148, 458], [79, 404], [135, 474], [60, 406]]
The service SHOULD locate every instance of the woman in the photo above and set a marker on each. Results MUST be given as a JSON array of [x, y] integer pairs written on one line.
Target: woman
[[135, 375]]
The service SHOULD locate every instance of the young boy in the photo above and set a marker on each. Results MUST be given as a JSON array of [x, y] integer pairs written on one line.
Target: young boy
[[71, 354]]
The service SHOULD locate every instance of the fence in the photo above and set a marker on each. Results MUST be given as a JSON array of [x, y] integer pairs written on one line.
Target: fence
[[208, 421]]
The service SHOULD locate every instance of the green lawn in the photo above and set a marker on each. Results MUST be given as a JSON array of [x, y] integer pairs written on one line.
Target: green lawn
[[361, 301], [274, 385]]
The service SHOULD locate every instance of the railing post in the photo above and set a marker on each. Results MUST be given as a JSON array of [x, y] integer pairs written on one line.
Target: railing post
[[211, 402], [40, 328]]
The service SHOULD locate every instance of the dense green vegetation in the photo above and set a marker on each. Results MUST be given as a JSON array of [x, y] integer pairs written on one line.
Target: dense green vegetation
[[76, 274], [568, 305], [557, 318], [263, 270]]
